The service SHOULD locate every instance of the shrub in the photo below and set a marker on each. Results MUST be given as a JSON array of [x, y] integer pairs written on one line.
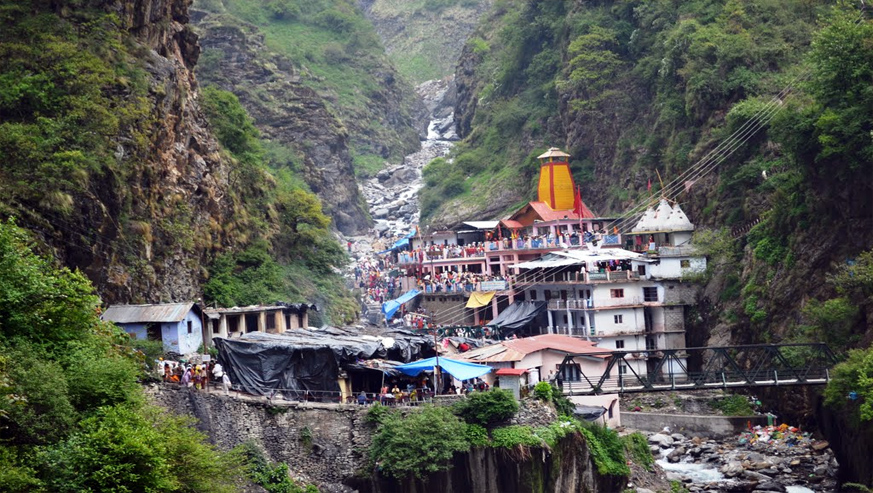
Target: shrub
[[477, 436], [419, 444], [513, 436], [637, 448], [606, 449], [543, 391], [853, 375], [487, 408], [734, 405]]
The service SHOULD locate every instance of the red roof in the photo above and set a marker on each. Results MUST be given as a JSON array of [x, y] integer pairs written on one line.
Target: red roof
[[511, 371], [567, 344], [547, 214], [511, 224]]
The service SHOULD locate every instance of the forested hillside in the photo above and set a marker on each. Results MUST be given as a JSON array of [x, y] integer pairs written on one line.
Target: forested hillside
[[108, 157]]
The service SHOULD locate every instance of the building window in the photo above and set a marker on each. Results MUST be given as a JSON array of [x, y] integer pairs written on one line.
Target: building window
[[565, 319], [650, 344], [641, 270], [685, 263], [619, 344], [618, 318], [616, 293], [190, 326], [650, 294], [622, 369], [271, 321], [533, 294]]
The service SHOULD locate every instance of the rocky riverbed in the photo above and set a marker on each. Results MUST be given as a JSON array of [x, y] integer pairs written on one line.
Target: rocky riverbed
[[765, 459]]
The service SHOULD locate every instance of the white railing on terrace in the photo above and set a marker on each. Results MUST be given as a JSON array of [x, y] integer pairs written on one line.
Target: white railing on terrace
[[576, 277]]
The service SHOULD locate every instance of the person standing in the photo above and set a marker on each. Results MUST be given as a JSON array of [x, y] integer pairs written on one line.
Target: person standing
[[225, 383]]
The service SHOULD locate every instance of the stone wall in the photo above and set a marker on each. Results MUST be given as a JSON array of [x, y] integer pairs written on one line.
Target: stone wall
[[710, 426], [321, 443]]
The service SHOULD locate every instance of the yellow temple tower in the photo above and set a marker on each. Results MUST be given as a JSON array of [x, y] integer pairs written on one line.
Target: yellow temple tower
[[556, 187]]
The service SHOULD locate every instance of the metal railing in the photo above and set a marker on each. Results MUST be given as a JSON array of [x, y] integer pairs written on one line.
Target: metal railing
[[705, 367]]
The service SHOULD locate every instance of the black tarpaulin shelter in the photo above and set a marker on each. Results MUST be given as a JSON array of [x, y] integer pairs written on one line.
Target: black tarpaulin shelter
[[517, 315], [301, 360]]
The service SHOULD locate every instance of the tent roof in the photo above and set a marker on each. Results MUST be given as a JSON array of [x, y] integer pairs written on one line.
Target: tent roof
[[131, 314], [389, 308], [462, 370], [518, 314]]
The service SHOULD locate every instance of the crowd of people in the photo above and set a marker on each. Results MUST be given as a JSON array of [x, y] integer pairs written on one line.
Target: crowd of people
[[195, 376], [456, 282], [371, 276]]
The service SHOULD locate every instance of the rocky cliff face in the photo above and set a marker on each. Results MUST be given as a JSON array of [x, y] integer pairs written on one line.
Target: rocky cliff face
[[146, 220], [287, 113], [424, 39]]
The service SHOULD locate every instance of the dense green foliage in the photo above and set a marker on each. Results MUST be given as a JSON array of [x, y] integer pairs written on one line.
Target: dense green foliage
[[487, 408], [336, 52], [733, 405], [65, 91], [72, 415], [420, 443], [297, 262], [853, 375], [543, 391], [637, 448], [607, 450]]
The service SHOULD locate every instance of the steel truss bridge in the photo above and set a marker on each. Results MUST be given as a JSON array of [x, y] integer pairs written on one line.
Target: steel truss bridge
[[759, 365]]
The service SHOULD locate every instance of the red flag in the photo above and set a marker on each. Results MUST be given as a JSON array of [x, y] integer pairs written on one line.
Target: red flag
[[649, 187], [577, 202]]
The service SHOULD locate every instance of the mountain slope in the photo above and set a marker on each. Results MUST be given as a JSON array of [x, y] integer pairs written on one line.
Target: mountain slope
[[424, 38], [108, 157]]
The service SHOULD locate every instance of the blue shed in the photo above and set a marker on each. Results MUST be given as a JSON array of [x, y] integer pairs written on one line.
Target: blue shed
[[178, 325]]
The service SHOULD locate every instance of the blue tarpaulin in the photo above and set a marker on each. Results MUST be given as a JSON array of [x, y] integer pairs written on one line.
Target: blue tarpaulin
[[402, 242], [458, 369], [389, 308]]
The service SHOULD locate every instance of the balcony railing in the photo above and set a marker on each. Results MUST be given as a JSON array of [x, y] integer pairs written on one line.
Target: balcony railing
[[590, 304], [578, 277]]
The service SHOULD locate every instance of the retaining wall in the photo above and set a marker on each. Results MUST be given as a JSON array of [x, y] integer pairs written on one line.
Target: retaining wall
[[691, 424]]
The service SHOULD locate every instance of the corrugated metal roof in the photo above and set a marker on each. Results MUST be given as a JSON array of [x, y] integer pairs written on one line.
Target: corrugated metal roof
[[131, 314]]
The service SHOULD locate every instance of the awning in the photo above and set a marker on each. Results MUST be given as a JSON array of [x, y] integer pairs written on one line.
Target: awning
[[518, 314], [389, 308], [478, 299], [402, 242], [458, 369], [589, 413]]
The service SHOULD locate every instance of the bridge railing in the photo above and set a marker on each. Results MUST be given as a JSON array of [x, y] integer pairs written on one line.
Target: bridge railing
[[707, 367]]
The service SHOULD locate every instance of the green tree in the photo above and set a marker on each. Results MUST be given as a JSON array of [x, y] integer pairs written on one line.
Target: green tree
[[418, 444], [853, 375]]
